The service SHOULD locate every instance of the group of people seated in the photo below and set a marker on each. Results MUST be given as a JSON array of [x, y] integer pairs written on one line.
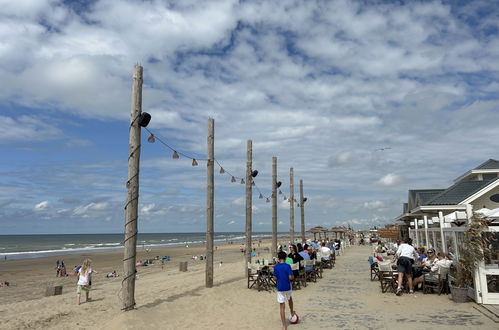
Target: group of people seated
[[300, 252], [416, 265]]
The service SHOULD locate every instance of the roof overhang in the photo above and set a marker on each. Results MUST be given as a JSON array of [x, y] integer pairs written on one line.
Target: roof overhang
[[471, 172], [420, 210]]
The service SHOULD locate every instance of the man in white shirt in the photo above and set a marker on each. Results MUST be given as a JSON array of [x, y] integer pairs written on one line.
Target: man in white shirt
[[326, 252], [405, 255]]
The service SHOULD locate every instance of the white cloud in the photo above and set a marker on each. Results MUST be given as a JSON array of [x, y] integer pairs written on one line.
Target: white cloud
[[390, 180], [231, 222], [42, 206]]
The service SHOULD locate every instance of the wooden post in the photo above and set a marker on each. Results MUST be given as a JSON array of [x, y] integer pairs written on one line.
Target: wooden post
[[443, 248], [249, 246], [274, 206], [302, 212], [210, 189], [131, 207], [291, 206], [425, 222]]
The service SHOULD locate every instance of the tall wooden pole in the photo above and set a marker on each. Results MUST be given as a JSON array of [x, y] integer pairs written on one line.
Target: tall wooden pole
[[210, 190], [291, 206], [302, 212], [131, 207], [249, 246], [274, 206]]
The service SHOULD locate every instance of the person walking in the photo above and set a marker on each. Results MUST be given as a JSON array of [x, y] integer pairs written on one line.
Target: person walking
[[283, 275]]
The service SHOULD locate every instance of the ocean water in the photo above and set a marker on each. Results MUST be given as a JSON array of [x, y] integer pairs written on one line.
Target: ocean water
[[35, 246]]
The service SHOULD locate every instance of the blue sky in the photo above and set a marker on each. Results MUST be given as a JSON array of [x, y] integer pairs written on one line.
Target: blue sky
[[319, 84]]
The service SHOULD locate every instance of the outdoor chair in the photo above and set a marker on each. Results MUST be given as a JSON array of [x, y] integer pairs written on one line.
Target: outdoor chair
[[302, 274], [253, 271], [333, 258], [324, 259], [318, 267], [296, 283], [374, 269], [437, 283], [311, 275], [387, 277]]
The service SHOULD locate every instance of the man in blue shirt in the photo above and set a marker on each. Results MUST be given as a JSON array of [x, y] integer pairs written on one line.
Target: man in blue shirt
[[283, 274]]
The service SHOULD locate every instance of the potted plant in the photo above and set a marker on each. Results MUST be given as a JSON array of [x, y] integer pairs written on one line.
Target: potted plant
[[474, 249]]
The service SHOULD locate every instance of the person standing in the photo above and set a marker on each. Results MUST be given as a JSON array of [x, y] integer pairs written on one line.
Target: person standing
[[284, 275], [84, 280], [405, 256]]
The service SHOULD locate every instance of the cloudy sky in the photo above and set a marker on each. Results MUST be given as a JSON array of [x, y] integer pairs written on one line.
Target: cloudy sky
[[322, 85]]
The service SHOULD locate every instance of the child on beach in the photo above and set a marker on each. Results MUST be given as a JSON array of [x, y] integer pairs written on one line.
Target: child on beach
[[283, 274], [84, 279]]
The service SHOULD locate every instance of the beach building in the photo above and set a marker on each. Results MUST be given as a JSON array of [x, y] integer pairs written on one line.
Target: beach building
[[437, 218]]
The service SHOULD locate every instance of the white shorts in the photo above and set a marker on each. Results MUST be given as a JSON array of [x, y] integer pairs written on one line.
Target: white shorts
[[283, 296]]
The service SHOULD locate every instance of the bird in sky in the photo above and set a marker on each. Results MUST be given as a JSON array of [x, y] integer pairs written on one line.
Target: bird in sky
[[383, 149]]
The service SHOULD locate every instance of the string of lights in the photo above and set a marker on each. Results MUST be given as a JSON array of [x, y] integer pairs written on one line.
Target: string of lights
[[233, 178]]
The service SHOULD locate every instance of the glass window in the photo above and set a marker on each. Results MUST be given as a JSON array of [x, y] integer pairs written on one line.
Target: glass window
[[450, 244]]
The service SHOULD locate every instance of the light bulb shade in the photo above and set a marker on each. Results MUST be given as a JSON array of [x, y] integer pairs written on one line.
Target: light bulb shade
[[151, 138], [268, 200], [222, 171], [242, 181], [175, 155], [144, 119], [285, 198], [304, 199], [279, 184], [261, 196], [280, 192], [194, 162], [253, 183], [233, 179], [298, 204], [254, 173]]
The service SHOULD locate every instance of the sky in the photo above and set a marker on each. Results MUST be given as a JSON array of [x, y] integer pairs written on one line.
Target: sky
[[363, 99]]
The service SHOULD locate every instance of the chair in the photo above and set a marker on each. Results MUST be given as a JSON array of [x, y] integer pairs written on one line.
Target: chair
[[387, 277], [333, 258], [296, 280], [318, 267], [253, 272], [374, 269], [302, 274], [312, 274], [438, 283]]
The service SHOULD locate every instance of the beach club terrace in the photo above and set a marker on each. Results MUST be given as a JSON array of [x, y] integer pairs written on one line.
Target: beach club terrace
[[438, 218]]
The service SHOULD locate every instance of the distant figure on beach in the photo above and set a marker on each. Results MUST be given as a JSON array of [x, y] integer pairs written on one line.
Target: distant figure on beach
[[57, 268], [111, 275], [283, 275], [85, 280]]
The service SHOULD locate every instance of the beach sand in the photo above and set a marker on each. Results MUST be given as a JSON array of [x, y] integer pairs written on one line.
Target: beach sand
[[169, 299]]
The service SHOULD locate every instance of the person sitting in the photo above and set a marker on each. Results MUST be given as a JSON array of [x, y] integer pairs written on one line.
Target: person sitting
[[326, 252], [294, 256], [440, 261], [305, 256]]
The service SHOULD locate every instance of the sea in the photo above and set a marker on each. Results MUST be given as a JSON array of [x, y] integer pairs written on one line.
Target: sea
[[36, 246]]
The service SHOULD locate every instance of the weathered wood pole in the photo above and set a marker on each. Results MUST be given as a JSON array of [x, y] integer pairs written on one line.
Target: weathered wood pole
[[131, 207], [210, 190], [249, 165], [302, 212], [274, 206], [291, 206]]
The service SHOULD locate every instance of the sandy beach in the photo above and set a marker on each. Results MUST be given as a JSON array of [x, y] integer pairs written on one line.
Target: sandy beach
[[169, 299]]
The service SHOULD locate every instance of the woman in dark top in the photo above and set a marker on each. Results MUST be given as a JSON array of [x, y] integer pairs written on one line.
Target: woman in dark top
[[293, 254]]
